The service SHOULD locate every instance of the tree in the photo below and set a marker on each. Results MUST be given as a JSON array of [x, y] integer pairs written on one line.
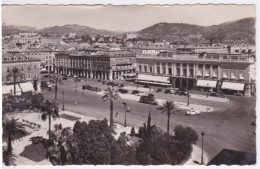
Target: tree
[[15, 73], [37, 99], [61, 146], [51, 109], [169, 108], [184, 138], [94, 141], [35, 85], [145, 133], [12, 130], [123, 154], [55, 79], [111, 95]]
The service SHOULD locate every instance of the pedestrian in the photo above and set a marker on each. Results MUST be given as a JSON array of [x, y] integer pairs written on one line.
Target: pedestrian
[[116, 114], [75, 103]]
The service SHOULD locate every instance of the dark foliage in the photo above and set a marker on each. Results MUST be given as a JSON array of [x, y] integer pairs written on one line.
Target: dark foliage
[[132, 132], [169, 149], [96, 144]]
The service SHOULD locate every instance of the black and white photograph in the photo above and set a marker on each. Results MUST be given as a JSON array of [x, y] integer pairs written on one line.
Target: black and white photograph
[[129, 85]]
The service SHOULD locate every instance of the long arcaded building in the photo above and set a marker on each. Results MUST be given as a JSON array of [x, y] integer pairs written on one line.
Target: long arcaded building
[[213, 71], [104, 65]]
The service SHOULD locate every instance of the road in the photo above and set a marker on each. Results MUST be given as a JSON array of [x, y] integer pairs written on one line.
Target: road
[[228, 127]]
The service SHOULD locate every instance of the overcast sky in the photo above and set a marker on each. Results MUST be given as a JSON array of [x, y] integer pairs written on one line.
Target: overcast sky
[[124, 18]]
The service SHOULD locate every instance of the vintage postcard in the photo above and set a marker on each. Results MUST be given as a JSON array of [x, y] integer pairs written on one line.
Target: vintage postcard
[[129, 85]]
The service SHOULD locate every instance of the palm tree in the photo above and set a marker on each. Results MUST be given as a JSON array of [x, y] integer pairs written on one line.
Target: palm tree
[[62, 146], [15, 73], [12, 130], [55, 79], [111, 95], [51, 109], [169, 108]]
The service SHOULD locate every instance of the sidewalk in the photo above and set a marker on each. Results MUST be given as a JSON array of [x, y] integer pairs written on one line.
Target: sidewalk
[[196, 156], [211, 98]]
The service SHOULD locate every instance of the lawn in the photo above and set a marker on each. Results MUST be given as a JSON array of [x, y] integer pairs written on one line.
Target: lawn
[[70, 117], [34, 152]]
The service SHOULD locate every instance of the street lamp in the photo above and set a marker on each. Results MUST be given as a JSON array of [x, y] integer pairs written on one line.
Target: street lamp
[[202, 134], [188, 96], [76, 84], [127, 109], [63, 101], [207, 90]]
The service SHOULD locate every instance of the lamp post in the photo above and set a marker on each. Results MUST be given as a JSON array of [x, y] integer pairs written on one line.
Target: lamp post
[[188, 96], [76, 84], [63, 101], [127, 109], [202, 135], [207, 90]]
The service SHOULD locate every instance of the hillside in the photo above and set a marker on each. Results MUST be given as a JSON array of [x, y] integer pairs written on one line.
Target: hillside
[[10, 30], [229, 32], [239, 31], [78, 29]]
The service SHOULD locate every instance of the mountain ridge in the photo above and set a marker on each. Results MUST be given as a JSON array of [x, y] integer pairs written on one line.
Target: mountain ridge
[[241, 29]]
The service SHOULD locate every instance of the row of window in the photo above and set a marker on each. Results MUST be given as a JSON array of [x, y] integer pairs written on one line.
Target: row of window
[[8, 69], [22, 77]]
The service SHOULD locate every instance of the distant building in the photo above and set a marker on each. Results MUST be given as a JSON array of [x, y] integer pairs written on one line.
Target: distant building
[[50, 40], [229, 73], [29, 67], [131, 36], [72, 35], [109, 65], [46, 56]]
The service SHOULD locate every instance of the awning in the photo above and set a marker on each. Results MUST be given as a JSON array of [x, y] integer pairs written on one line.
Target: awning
[[27, 86], [6, 89], [162, 79], [207, 83], [233, 86], [130, 75]]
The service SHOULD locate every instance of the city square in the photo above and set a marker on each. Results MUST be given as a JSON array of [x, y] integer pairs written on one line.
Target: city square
[[75, 95]]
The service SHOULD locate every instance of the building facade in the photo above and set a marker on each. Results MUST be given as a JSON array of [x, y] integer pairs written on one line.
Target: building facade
[[109, 65], [210, 70], [29, 68]]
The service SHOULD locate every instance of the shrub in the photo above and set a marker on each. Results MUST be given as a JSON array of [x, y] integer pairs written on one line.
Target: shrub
[[132, 132]]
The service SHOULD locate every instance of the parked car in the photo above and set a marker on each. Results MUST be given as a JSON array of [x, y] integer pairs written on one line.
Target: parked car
[[46, 84], [135, 92], [148, 99], [75, 76], [121, 85], [146, 86], [123, 91], [112, 84], [159, 90], [238, 94], [168, 91], [182, 92], [77, 80], [193, 112], [65, 78]]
